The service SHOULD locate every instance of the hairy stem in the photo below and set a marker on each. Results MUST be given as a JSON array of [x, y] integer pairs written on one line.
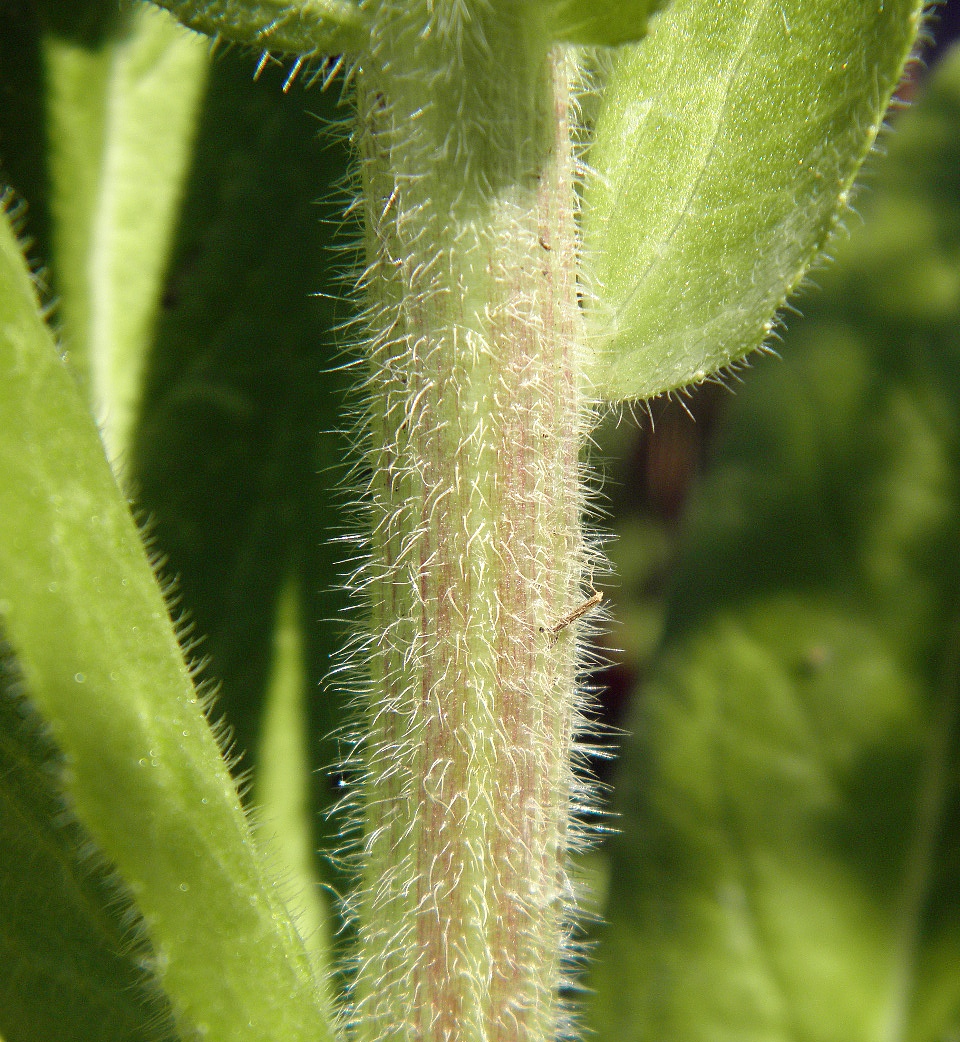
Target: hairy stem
[[475, 420]]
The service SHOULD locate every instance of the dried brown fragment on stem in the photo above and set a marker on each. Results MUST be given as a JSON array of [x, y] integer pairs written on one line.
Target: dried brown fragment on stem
[[572, 616]]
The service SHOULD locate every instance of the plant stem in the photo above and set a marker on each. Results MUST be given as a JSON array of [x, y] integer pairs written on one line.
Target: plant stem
[[475, 420]]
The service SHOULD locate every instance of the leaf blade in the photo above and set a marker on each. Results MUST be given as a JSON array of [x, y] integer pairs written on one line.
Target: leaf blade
[[59, 899], [142, 765], [687, 269], [601, 23], [121, 113], [304, 27]]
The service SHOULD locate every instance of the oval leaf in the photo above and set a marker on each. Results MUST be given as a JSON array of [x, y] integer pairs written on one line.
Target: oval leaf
[[725, 151]]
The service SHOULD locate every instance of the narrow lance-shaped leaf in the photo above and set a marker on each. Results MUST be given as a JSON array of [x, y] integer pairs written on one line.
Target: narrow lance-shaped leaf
[[89, 626], [282, 781], [121, 112], [725, 151]]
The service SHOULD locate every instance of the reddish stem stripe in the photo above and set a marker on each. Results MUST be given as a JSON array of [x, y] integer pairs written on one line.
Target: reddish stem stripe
[[475, 408]]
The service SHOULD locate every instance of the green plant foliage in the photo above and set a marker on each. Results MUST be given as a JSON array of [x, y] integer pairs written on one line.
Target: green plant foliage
[[237, 459], [283, 790], [725, 150], [57, 898], [120, 114], [235, 379], [142, 766], [285, 26], [176, 203], [788, 866], [602, 22]]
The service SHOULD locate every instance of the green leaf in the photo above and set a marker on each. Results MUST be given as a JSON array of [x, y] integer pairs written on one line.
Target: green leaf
[[88, 624], [304, 27], [235, 456], [601, 22], [725, 151], [282, 782], [58, 900], [121, 110], [789, 806]]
